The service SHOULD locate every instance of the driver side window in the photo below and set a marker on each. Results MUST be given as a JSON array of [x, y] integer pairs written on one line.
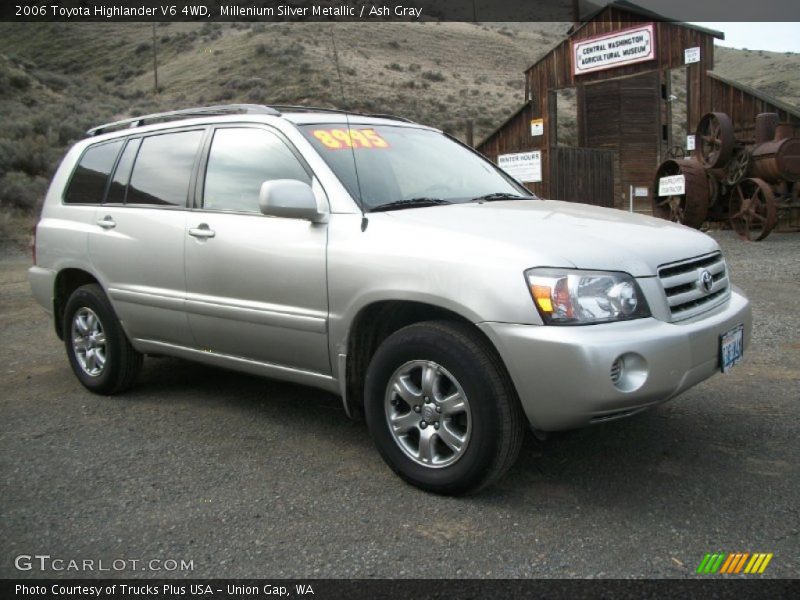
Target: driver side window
[[239, 161]]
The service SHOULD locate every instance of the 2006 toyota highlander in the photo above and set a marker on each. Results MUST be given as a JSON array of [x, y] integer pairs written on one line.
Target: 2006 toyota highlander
[[385, 262]]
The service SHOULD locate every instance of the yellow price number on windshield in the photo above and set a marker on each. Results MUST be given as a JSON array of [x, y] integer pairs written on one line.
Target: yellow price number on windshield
[[338, 139]]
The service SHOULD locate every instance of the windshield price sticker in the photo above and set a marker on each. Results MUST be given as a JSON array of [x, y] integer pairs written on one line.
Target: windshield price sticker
[[338, 139], [674, 185]]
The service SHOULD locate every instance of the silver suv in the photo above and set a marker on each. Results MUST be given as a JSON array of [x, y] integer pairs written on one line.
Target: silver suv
[[385, 262]]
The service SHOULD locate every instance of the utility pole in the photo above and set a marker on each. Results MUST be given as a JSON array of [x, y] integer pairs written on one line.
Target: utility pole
[[155, 61]]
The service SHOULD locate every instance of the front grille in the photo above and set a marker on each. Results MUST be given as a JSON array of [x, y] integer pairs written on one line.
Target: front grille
[[682, 282]]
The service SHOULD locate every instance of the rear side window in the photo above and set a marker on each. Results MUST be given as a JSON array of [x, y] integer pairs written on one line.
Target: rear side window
[[241, 160], [122, 174], [163, 169], [88, 183]]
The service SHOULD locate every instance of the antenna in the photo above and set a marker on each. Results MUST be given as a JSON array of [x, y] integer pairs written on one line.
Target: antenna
[[364, 220]]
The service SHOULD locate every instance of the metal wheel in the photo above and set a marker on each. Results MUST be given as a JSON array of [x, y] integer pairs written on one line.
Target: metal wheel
[[736, 170], [752, 209], [691, 207], [428, 413], [716, 139], [89, 342], [714, 192], [98, 350], [442, 411]]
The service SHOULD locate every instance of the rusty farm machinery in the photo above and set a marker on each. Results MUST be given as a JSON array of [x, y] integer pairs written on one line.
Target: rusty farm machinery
[[750, 183]]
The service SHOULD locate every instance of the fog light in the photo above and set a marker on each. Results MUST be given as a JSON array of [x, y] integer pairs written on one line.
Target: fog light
[[628, 372]]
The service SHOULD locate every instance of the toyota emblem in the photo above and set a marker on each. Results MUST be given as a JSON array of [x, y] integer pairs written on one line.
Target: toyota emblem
[[707, 281]]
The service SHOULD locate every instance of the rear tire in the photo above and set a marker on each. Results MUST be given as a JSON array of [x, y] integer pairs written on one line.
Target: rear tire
[[99, 352], [441, 408]]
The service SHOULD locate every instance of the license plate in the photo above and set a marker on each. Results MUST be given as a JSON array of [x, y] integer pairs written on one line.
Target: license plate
[[731, 348]]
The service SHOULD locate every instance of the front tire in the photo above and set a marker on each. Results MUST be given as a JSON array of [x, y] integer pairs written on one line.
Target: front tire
[[441, 408], [99, 352]]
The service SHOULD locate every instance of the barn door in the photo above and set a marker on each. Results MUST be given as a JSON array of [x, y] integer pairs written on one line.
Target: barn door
[[624, 115]]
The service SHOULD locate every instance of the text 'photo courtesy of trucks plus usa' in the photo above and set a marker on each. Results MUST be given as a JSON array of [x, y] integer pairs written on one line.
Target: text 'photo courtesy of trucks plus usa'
[[355, 299]]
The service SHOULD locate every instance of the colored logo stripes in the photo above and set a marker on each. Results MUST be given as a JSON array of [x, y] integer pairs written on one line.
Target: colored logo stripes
[[734, 562]]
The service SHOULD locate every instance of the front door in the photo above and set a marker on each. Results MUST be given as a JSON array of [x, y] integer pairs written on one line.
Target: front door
[[256, 285]]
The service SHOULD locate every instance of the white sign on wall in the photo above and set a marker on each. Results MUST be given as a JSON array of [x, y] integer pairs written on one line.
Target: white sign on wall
[[691, 55], [537, 127], [640, 192], [674, 185], [522, 166], [690, 142], [606, 51]]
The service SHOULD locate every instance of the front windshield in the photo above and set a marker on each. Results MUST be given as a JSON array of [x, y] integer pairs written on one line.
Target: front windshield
[[407, 164]]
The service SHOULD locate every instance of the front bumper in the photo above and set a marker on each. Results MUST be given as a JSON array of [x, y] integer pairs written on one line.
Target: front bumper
[[563, 374]]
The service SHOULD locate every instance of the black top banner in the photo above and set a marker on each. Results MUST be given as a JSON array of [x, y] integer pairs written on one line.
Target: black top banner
[[394, 10]]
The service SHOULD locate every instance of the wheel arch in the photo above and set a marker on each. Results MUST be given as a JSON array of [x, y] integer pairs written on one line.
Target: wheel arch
[[66, 282], [372, 324]]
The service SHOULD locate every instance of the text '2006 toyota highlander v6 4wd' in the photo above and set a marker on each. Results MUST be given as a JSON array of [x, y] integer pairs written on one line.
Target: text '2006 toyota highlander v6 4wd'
[[383, 261]]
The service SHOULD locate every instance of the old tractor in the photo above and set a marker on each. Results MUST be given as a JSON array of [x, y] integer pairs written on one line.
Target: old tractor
[[750, 183]]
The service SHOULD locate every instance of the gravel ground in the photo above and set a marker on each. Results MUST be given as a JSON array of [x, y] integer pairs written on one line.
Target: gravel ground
[[253, 478]]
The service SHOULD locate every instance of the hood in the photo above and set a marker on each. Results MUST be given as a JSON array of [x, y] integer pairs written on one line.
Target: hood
[[551, 233]]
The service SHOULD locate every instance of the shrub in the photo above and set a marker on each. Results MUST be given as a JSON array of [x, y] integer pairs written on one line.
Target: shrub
[[433, 76], [20, 82], [20, 190], [142, 48]]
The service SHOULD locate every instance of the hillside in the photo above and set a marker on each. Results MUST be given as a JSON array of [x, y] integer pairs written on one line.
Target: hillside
[[774, 73], [56, 80]]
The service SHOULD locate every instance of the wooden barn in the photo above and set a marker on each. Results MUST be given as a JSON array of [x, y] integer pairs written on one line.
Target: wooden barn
[[621, 64]]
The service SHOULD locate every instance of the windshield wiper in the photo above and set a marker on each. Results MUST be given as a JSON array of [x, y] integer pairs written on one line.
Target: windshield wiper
[[410, 203], [500, 196]]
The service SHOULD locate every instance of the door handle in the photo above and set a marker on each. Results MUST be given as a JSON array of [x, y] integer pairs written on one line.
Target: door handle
[[107, 222], [202, 231]]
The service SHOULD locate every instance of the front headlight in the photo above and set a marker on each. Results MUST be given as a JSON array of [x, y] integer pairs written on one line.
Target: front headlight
[[571, 297]]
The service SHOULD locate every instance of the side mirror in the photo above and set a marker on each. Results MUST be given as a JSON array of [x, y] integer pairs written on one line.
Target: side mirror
[[291, 199]]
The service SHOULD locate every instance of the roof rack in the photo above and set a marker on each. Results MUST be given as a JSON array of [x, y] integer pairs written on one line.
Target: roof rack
[[301, 108], [202, 111], [228, 109]]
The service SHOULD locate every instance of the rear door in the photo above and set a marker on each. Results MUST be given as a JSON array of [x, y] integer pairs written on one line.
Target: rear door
[[256, 285], [136, 243]]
